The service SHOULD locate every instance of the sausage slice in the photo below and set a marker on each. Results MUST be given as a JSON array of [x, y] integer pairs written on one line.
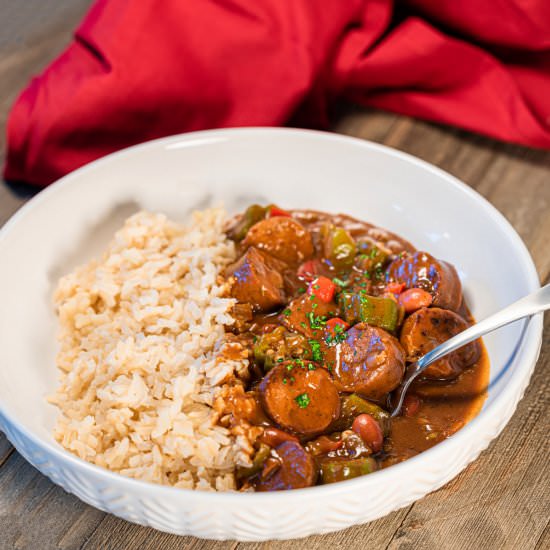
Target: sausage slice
[[283, 238], [300, 397], [425, 329], [297, 469], [307, 315], [439, 278], [256, 282], [370, 362]]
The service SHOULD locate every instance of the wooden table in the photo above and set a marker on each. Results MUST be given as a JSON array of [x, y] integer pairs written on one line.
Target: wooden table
[[500, 501]]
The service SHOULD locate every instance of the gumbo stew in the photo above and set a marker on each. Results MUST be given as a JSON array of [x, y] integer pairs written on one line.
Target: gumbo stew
[[330, 310]]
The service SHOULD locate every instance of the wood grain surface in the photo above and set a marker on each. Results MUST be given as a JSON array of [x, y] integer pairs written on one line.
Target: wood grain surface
[[500, 502]]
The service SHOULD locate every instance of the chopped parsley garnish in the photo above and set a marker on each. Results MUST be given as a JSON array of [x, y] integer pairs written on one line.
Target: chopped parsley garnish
[[303, 400], [315, 322], [284, 380], [311, 366], [339, 334], [317, 354], [287, 312], [289, 367], [339, 282], [301, 290]]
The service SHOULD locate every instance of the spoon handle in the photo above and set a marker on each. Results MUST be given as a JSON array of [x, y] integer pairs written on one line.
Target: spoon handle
[[529, 305]]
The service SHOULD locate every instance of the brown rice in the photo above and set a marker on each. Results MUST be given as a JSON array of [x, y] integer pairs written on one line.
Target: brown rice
[[141, 335]]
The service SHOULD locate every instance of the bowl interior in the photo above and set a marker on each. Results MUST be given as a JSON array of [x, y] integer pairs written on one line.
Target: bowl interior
[[73, 220]]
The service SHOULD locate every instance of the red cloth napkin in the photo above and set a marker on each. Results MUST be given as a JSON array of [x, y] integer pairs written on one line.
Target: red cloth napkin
[[142, 69]]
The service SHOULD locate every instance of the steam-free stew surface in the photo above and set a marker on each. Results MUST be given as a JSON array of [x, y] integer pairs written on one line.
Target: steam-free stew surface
[[330, 312]]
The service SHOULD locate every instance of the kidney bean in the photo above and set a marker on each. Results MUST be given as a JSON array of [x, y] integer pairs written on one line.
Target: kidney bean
[[369, 430], [414, 298]]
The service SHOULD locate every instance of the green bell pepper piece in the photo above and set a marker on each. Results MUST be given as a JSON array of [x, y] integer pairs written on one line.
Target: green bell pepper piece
[[253, 214], [373, 310], [340, 469], [260, 457], [339, 247], [353, 405]]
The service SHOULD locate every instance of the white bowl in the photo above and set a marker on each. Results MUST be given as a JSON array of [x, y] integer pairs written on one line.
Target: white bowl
[[73, 219]]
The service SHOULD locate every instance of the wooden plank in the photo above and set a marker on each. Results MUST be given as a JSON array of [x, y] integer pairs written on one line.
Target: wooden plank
[[365, 123], [9, 203], [33, 511], [5, 449], [114, 533], [519, 188], [544, 541]]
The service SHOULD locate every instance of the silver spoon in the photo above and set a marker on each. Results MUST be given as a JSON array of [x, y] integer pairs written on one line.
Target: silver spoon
[[529, 305]]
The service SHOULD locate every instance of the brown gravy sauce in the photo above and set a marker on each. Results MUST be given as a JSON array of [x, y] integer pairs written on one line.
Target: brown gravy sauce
[[444, 407]]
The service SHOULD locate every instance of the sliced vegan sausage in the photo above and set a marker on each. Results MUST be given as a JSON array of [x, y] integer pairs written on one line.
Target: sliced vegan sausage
[[439, 278], [370, 362], [307, 315], [256, 282], [283, 238], [297, 469], [300, 397], [425, 329]]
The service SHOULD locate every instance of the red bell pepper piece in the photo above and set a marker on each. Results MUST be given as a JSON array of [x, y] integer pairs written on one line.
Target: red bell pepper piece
[[336, 322], [276, 211], [322, 288]]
